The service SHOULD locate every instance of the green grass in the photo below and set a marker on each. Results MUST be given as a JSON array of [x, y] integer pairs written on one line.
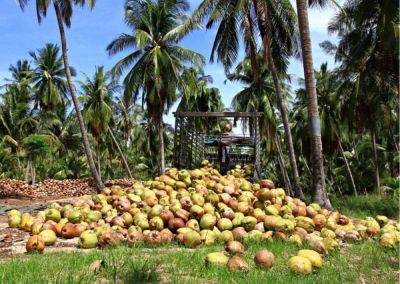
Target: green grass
[[364, 261], [367, 205]]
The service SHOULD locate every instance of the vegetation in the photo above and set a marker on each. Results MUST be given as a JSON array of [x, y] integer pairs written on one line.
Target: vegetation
[[121, 121], [358, 262]]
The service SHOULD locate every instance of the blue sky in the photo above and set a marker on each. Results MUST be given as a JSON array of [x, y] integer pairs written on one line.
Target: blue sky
[[92, 30]]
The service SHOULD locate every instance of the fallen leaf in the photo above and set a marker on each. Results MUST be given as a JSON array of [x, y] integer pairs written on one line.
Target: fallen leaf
[[96, 266]]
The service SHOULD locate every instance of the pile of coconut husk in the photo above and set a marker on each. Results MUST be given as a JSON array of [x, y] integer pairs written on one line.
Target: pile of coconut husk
[[53, 188]]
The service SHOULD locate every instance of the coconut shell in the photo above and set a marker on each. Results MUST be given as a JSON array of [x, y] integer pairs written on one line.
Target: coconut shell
[[264, 259], [237, 264], [35, 244], [234, 247]]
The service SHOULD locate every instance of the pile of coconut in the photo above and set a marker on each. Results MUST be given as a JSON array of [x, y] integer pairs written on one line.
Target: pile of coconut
[[198, 207]]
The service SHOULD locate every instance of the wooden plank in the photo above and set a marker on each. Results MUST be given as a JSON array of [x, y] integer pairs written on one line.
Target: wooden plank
[[217, 114]]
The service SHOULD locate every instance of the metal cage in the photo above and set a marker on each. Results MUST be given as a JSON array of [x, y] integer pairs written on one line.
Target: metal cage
[[192, 143]]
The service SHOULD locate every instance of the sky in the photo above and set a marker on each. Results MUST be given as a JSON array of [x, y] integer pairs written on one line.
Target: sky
[[93, 30]]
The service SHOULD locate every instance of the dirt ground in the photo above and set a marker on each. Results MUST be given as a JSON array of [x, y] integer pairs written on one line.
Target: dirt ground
[[12, 241]]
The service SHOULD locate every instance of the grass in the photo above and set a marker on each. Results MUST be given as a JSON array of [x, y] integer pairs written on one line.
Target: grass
[[358, 262], [367, 205]]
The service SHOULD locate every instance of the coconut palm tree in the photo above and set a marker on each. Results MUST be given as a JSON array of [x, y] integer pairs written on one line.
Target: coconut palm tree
[[50, 84], [98, 109], [156, 61], [333, 122], [237, 20], [17, 120], [63, 10], [368, 53], [320, 196]]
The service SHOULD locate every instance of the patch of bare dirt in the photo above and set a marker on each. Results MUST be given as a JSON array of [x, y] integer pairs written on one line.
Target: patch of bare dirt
[[51, 188]]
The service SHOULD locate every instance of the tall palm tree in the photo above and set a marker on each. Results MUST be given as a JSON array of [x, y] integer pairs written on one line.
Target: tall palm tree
[[98, 110], [368, 52], [156, 62], [51, 87], [279, 18], [21, 73], [63, 10], [333, 123], [320, 196], [275, 23]]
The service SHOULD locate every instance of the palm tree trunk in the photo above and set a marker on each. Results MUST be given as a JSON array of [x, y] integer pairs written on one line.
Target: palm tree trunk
[[353, 185], [27, 171], [281, 161], [98, 159], [126, 166], [75, 100], [33, 172], [320, 196], [377, 176], [162, 151], [282, 107]]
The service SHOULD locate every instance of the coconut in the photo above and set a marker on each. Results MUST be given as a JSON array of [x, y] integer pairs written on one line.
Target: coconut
[[36, 227], [225, 236], [239, 233], [196, 211], [166, 235], [193, 224], [75, 217], [249, 222], [53, 215], [208, 221], [49, 237], [175, 224], [111, 239], [264, 259], [14, 212], [191, 239], [318, 245], [224, 224], [326, 233], [270, 222], [388, 240], [14, 221], [237, 264], [153, 238], [313, 256], [26, 222], [216, 258], [300, 265], [166, 215], [69, 231], [35, 244], [295, 238], [156, 223], [234, 247], [330, 244], [134, 237], [88, 239]]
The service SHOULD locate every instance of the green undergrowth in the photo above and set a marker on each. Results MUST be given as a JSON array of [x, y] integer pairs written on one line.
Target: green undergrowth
[[367, 205], [364, 261]]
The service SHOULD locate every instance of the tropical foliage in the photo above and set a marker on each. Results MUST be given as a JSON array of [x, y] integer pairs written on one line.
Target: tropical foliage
[[123, 108]]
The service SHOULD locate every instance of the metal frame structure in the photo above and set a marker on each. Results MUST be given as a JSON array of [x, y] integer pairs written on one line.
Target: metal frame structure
[[190, 147]]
